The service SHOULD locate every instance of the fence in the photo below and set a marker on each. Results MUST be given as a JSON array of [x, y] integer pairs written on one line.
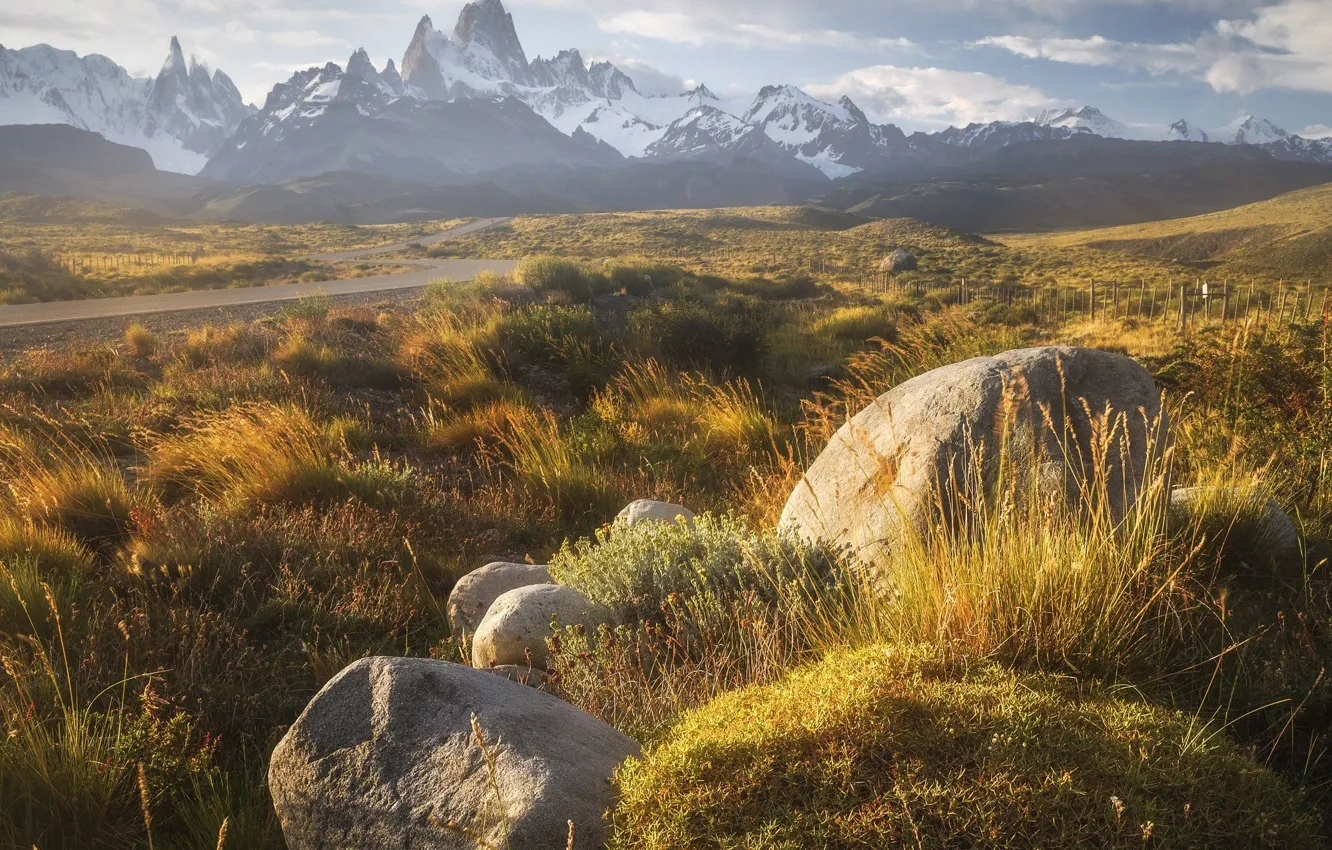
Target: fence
[[1181, 303], [84, 263]]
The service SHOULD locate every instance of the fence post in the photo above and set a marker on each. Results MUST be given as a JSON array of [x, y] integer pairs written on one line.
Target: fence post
[[1183, 309], [1091, 301]]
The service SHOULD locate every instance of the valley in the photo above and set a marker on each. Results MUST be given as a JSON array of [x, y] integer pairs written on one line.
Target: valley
[[760, 426]]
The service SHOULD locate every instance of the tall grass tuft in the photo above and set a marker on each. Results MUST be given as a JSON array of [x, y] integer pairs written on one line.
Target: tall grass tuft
[[264, 454]]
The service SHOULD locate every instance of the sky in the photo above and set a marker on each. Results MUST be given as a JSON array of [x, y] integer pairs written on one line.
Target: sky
[[920, 64]]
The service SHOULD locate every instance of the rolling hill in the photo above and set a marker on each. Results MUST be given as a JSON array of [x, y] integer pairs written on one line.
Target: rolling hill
[[1288, 236]]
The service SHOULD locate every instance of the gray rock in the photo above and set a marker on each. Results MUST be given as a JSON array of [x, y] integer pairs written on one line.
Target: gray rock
[[900, 260], [519, 623], [646, 510], [385, 757], [475, 592], [880, 478], [523, 675], [1277, 533]]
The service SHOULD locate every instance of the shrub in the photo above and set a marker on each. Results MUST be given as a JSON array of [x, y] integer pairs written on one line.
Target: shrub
[[642, 277], [544, 333], [635, 570], [886, 748], [81, 494], [726, 336], [707, 609], [234, 344], [553, 471], [51, 549], [141, 341], [262, 454], [551, 274], [859, 324]]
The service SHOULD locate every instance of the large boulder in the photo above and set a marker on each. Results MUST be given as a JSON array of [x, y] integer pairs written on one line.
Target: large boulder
[[516, 627], [386, 757], [646, 510], [900, 260], [895, 469], [475, 592]]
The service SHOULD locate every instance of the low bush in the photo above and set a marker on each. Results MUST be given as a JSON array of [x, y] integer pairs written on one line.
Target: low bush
[[263, 454], [642, 277], [724, 336], [886, 748], [555, 275], [140, 341], [859, 324]]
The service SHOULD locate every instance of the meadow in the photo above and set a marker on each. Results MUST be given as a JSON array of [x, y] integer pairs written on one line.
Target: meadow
[[198, 530], [58, 249]]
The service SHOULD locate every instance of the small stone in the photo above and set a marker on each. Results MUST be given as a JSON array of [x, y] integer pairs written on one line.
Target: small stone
[[475, 592], [646, 510], [515, 629]]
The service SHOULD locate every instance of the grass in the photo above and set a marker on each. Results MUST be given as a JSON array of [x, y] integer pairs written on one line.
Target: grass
[[886, 747], [211, 525], [1282, 238]]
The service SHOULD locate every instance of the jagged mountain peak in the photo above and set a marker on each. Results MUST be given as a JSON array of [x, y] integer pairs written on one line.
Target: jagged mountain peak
[[180, 116], [1183, 131], [488, 24], [857, 114], [1250, 130]]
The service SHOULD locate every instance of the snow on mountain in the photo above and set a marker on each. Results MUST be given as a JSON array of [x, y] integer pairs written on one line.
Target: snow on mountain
[[1182, 131], [1086, 119], [709, 133], [180, 117], [1248, 130], [994, 135]]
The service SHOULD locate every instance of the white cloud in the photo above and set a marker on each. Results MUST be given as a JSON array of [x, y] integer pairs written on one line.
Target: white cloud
[[1282, 46], [647, 78], [699, 31], [935, 97], [1316, 131], [1100, 52]]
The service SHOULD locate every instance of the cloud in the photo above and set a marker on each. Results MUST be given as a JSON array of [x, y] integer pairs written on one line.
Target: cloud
[[700, 31], [1099, 52], [1282, 46], [936, 97], [1316, 131], [647, 78]]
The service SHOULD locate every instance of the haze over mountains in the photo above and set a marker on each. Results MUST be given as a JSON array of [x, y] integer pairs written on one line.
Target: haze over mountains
[[468, 118]]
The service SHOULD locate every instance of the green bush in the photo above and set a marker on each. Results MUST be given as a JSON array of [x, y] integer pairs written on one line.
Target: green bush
[[642, 277], [727, 335], [886, 748], [635, 570], [552, 274]]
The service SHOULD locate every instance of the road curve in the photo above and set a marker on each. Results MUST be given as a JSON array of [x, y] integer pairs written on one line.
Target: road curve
[[427, 271]]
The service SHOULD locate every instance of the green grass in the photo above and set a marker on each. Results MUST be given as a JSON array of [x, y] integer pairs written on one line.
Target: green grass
[[1286, 237], [212, 523], [888, 748]]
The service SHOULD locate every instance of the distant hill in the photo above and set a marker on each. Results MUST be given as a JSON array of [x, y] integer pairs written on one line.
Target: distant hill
[[1086, 182], [1288, 236]]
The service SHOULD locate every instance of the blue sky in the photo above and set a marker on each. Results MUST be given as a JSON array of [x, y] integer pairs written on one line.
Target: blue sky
[[921, 64]]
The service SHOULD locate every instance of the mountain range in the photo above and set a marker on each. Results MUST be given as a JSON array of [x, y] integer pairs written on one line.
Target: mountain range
[[471, 102], [181, 117]]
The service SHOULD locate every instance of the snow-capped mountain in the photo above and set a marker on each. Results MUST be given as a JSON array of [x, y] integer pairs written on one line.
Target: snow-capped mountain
[[1248, 130], [1261, 133], [1183, 131], [837, 139], [1086, 119], [992, 136], [180, 117]]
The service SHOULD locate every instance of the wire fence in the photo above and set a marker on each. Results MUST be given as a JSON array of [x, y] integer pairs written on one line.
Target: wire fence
[[1181, 303]]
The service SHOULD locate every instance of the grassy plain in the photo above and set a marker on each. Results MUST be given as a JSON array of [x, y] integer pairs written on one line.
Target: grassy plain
[[1287, 238], [62, 249], [197, 530]]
